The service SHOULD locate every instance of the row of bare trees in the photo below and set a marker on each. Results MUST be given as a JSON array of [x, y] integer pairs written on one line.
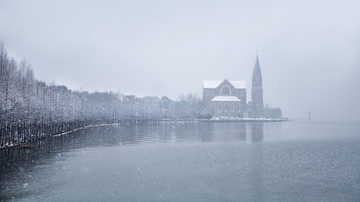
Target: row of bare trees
[[31, 109]]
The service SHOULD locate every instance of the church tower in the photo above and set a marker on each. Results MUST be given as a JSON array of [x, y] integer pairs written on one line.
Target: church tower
[[257, 91]]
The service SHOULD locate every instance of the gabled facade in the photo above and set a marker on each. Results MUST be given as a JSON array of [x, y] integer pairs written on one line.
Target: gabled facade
[[225, 98]]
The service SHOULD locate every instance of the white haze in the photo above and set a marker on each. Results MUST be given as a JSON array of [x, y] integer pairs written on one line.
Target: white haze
[[309, 50]]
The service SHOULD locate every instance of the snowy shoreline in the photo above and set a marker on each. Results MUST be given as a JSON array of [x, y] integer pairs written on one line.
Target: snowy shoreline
[[160, 121], [229, 119]]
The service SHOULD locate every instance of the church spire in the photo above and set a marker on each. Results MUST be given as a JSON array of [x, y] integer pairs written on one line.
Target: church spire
[[257, 78], [257, 90]]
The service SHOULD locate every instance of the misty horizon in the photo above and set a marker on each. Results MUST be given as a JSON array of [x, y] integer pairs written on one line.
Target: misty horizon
[[308, 51]]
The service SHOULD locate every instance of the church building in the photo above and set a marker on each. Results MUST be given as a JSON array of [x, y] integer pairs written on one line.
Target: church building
[[224, 98]]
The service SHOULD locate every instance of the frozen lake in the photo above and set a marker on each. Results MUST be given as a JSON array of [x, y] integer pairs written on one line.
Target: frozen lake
[[289, 161]]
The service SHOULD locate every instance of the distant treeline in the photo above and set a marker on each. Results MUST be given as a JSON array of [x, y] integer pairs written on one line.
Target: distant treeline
[[31, 109]]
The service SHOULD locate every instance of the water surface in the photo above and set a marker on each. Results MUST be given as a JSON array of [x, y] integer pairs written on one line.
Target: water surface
[[289, 161]]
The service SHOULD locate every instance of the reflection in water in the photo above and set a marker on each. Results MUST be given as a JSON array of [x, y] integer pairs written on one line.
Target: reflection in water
[[257, 131], [187, 162], [16, 161], [222, 131], [257, 169]]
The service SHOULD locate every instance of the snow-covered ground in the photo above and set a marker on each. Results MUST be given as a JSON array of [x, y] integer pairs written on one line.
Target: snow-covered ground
[[220, 119]]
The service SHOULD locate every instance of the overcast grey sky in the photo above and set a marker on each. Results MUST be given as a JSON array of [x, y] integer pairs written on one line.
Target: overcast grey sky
[[309, 50]]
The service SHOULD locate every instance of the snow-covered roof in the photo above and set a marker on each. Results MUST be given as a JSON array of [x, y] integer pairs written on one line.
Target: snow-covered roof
[[225, 99], [212, 83], [238, 84], [216, 83]]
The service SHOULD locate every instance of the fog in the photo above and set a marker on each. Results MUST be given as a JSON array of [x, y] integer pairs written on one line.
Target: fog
[[309, 51]]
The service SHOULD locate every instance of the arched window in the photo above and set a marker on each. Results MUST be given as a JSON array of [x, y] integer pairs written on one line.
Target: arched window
[[225, 91]]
